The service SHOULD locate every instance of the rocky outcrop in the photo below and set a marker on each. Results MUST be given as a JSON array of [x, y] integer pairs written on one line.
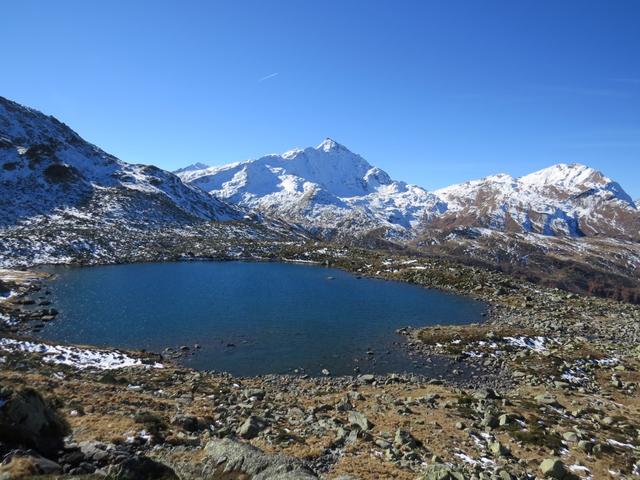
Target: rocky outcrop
[[229, 459]]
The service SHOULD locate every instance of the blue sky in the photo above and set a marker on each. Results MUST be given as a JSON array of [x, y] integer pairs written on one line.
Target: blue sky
[[434, 92]]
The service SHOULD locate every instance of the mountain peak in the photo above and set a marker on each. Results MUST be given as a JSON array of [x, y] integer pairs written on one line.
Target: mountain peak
[[191, 168], [330, 145], [566, 175]]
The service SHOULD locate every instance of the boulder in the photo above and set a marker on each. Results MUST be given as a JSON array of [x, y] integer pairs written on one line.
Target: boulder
[[23, 465], [229, 459], [251, 427], [28, 420], [142, 468]]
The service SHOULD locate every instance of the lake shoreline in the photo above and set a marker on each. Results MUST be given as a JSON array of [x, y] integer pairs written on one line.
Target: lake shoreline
[[188, 353], [567, 360]]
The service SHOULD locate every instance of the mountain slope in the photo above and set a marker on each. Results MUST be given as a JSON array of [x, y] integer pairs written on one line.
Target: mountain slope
[[562, 200], [191, 168], [65, 200], [328, 189], [46, 167]]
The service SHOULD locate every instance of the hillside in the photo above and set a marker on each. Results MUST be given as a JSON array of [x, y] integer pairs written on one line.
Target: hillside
[[65, 200]]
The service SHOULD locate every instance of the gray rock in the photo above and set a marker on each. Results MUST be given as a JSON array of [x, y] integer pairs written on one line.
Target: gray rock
[[229, 459], [553, 468], [360, 420], [142, 468], [438, 471], [251, 427]]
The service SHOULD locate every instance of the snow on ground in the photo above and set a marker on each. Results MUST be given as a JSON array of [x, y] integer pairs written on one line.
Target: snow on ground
[[81, 358], [538, 344]]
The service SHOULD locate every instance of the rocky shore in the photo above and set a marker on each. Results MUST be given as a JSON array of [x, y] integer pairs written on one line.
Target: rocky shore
[[552, 393]]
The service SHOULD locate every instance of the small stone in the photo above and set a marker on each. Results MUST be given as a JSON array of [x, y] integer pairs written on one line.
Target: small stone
[[360, 420], [553, 468], [489, 420], [498, 449], [367, 378], [251, 427]]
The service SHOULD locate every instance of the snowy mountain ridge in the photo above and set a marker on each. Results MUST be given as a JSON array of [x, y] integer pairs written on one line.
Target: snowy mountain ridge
[[47, 167], [329, 188], [64, 200], [563, 200], [323, 188]]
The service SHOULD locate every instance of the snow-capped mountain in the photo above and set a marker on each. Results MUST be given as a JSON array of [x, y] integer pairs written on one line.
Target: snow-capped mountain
[[562, 200], [328, 189], [64, 200], [191, 168], [47, 168]]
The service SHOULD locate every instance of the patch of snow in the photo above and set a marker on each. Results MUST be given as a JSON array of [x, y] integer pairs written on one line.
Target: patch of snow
[[537, 344], [80, 358], [615, 443]]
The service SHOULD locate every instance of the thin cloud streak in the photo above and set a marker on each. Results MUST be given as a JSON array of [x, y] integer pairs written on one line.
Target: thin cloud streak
[[271, 75], [591, 92]]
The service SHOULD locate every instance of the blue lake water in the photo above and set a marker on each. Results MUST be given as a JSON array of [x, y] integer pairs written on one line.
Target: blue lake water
[[251, 318]]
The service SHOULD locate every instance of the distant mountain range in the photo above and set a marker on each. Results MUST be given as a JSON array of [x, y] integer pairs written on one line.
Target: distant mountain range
[[64, 200], [329, 189]]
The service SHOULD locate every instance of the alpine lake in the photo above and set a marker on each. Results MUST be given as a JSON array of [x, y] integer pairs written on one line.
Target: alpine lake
[[252, 318]]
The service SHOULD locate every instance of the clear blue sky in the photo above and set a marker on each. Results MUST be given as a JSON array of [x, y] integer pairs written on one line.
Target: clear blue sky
[[434, 92]]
